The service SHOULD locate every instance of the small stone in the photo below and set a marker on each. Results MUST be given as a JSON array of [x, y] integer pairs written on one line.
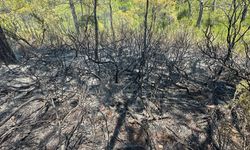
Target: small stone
[[160, 146], [73, 103]]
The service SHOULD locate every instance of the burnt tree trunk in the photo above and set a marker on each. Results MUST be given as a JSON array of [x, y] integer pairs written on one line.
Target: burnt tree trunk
[[96, 32], [214, 5], [245, 10], [73, 12], [199, 20], [189, 8], [6, 54]]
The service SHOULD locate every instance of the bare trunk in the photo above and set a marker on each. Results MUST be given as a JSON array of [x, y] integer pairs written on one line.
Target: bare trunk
[[113, 41], [145, 26], [198, 23], [96, 31], [111, 23], [81, 3], [214, 5], [73, 12], [189, 8], [245, 9], [6, 54], [143, 53]]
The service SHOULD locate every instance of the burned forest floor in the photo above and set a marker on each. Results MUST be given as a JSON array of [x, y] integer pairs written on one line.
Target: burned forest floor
[[54, 100]]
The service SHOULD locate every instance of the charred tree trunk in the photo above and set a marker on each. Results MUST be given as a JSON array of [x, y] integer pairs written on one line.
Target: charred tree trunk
[[96, 31], [245, 10], [145, 26], [189, 8], [145, 44], [114, 42], [214, 5], [6, 54], [81, 3], [73, 12], [111, 23], [201, 5]]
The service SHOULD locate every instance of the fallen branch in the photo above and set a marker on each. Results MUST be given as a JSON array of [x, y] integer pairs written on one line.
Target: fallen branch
[[21, 106]]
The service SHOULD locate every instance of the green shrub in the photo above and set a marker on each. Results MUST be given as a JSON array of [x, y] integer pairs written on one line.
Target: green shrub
[[182, 14]]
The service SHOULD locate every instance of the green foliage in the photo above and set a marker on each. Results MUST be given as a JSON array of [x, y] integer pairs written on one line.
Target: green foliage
[[243, 98], [182, 14], [55, 16]]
